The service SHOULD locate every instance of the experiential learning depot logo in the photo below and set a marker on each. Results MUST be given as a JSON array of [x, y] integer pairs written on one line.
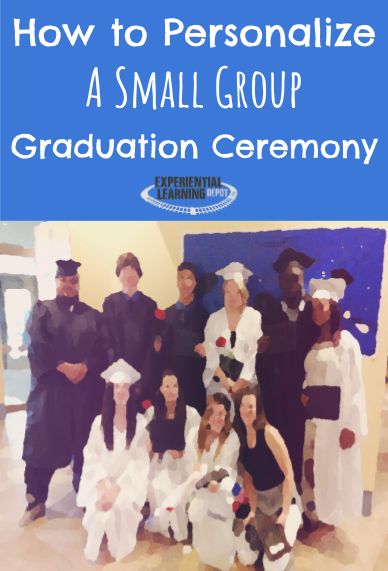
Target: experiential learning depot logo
[[190, 195]]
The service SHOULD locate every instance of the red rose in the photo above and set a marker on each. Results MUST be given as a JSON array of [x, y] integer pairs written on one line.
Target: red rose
[[221, 342], [146, 404], [170, 509], [160, 314]]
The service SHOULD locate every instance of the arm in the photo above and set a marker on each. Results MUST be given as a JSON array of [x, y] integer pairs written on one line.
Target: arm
[[250, 492], [278, 448], [41, 351], [212, 355], [93, 469], [254, 333]]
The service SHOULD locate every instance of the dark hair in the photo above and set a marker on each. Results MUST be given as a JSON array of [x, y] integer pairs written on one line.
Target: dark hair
[[193, 268], [108, 412], [128, 259], [261, 419], [160, 410]]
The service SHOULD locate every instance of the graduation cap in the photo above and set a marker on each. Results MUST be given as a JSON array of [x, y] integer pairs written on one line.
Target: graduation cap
[[342, 273], [66, 268], [332, 288], [121, 372], [290, 255], [235, 271]]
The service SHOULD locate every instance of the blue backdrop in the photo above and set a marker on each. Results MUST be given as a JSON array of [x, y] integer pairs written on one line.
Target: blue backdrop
[[44, 91], [359, 250]]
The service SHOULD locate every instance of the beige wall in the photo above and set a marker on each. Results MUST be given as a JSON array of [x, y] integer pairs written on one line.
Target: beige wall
[[159, 246]]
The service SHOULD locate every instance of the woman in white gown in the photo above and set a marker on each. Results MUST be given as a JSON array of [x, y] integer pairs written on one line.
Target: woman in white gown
[[214, 446], [232, 332], [331, 484], [114, 479], [170, 421]]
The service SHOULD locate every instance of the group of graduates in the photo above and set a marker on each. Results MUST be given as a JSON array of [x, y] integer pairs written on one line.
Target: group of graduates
[[227, 427]]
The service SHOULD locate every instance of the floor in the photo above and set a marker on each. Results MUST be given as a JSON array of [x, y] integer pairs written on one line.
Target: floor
[[57, 541]]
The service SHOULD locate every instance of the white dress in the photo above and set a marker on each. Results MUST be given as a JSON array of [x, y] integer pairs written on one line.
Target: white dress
[[337, 491], [248, 331], [129, 469], [211, 513], [166, 473]]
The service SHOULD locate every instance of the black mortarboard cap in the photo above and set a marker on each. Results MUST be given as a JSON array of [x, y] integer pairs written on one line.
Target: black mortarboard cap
[[342, 273], [66, 268], [290, 255]]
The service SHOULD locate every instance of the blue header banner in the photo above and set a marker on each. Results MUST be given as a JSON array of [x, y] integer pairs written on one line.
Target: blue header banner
[[259, 110]]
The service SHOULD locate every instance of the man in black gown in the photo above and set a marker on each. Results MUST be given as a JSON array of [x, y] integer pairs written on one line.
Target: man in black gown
[[183, 335], [131, 327], [288, 334], [66, 359]]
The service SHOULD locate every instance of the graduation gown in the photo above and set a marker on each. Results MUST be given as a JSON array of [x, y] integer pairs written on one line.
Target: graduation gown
[[128, 468], [212, 513], [280, 371], [183, 329], [130, 327], [337, 491], [59, 414], [248, 331]]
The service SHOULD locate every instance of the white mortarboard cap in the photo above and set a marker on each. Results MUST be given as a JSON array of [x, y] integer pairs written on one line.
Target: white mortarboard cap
[[121, 372], [235, 271], [332, 288]]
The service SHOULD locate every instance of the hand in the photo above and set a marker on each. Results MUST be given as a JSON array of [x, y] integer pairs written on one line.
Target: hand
[[282, 518], [239, 385], [157, 343], [200, 350], [304, 399], [249, 518], [347, 438], [175, 454], [213, 486], [74, 372], [263, 343]]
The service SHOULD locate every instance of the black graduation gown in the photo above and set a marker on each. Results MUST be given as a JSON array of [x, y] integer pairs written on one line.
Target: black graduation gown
[[280, 371], [60, 414], [130, 328], [183, 329]]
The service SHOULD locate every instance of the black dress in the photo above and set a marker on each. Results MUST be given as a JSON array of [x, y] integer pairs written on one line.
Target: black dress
[[280, 371], [59, 413], [130, 328], [183, 329]]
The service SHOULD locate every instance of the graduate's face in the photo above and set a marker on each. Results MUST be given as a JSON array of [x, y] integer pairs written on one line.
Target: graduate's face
[[321, 311], [217, 418], [186, 282], [170, 388], [248, 409], [121, 393], [67, 286], [129, 277], [233, 298], [291, 281]]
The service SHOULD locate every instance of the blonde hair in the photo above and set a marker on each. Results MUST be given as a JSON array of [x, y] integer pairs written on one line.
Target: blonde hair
[[217, 398], [241, 288]]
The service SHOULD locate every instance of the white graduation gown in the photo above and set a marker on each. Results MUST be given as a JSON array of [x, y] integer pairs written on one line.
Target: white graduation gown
[[248, 331], [166, 474], [212, 513], [337, 472], [129, 468]]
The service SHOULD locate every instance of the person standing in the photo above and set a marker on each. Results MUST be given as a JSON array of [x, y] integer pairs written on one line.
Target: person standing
[[288, 335], [183, 333], [131, 327], [333, 394], [66, 359]]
